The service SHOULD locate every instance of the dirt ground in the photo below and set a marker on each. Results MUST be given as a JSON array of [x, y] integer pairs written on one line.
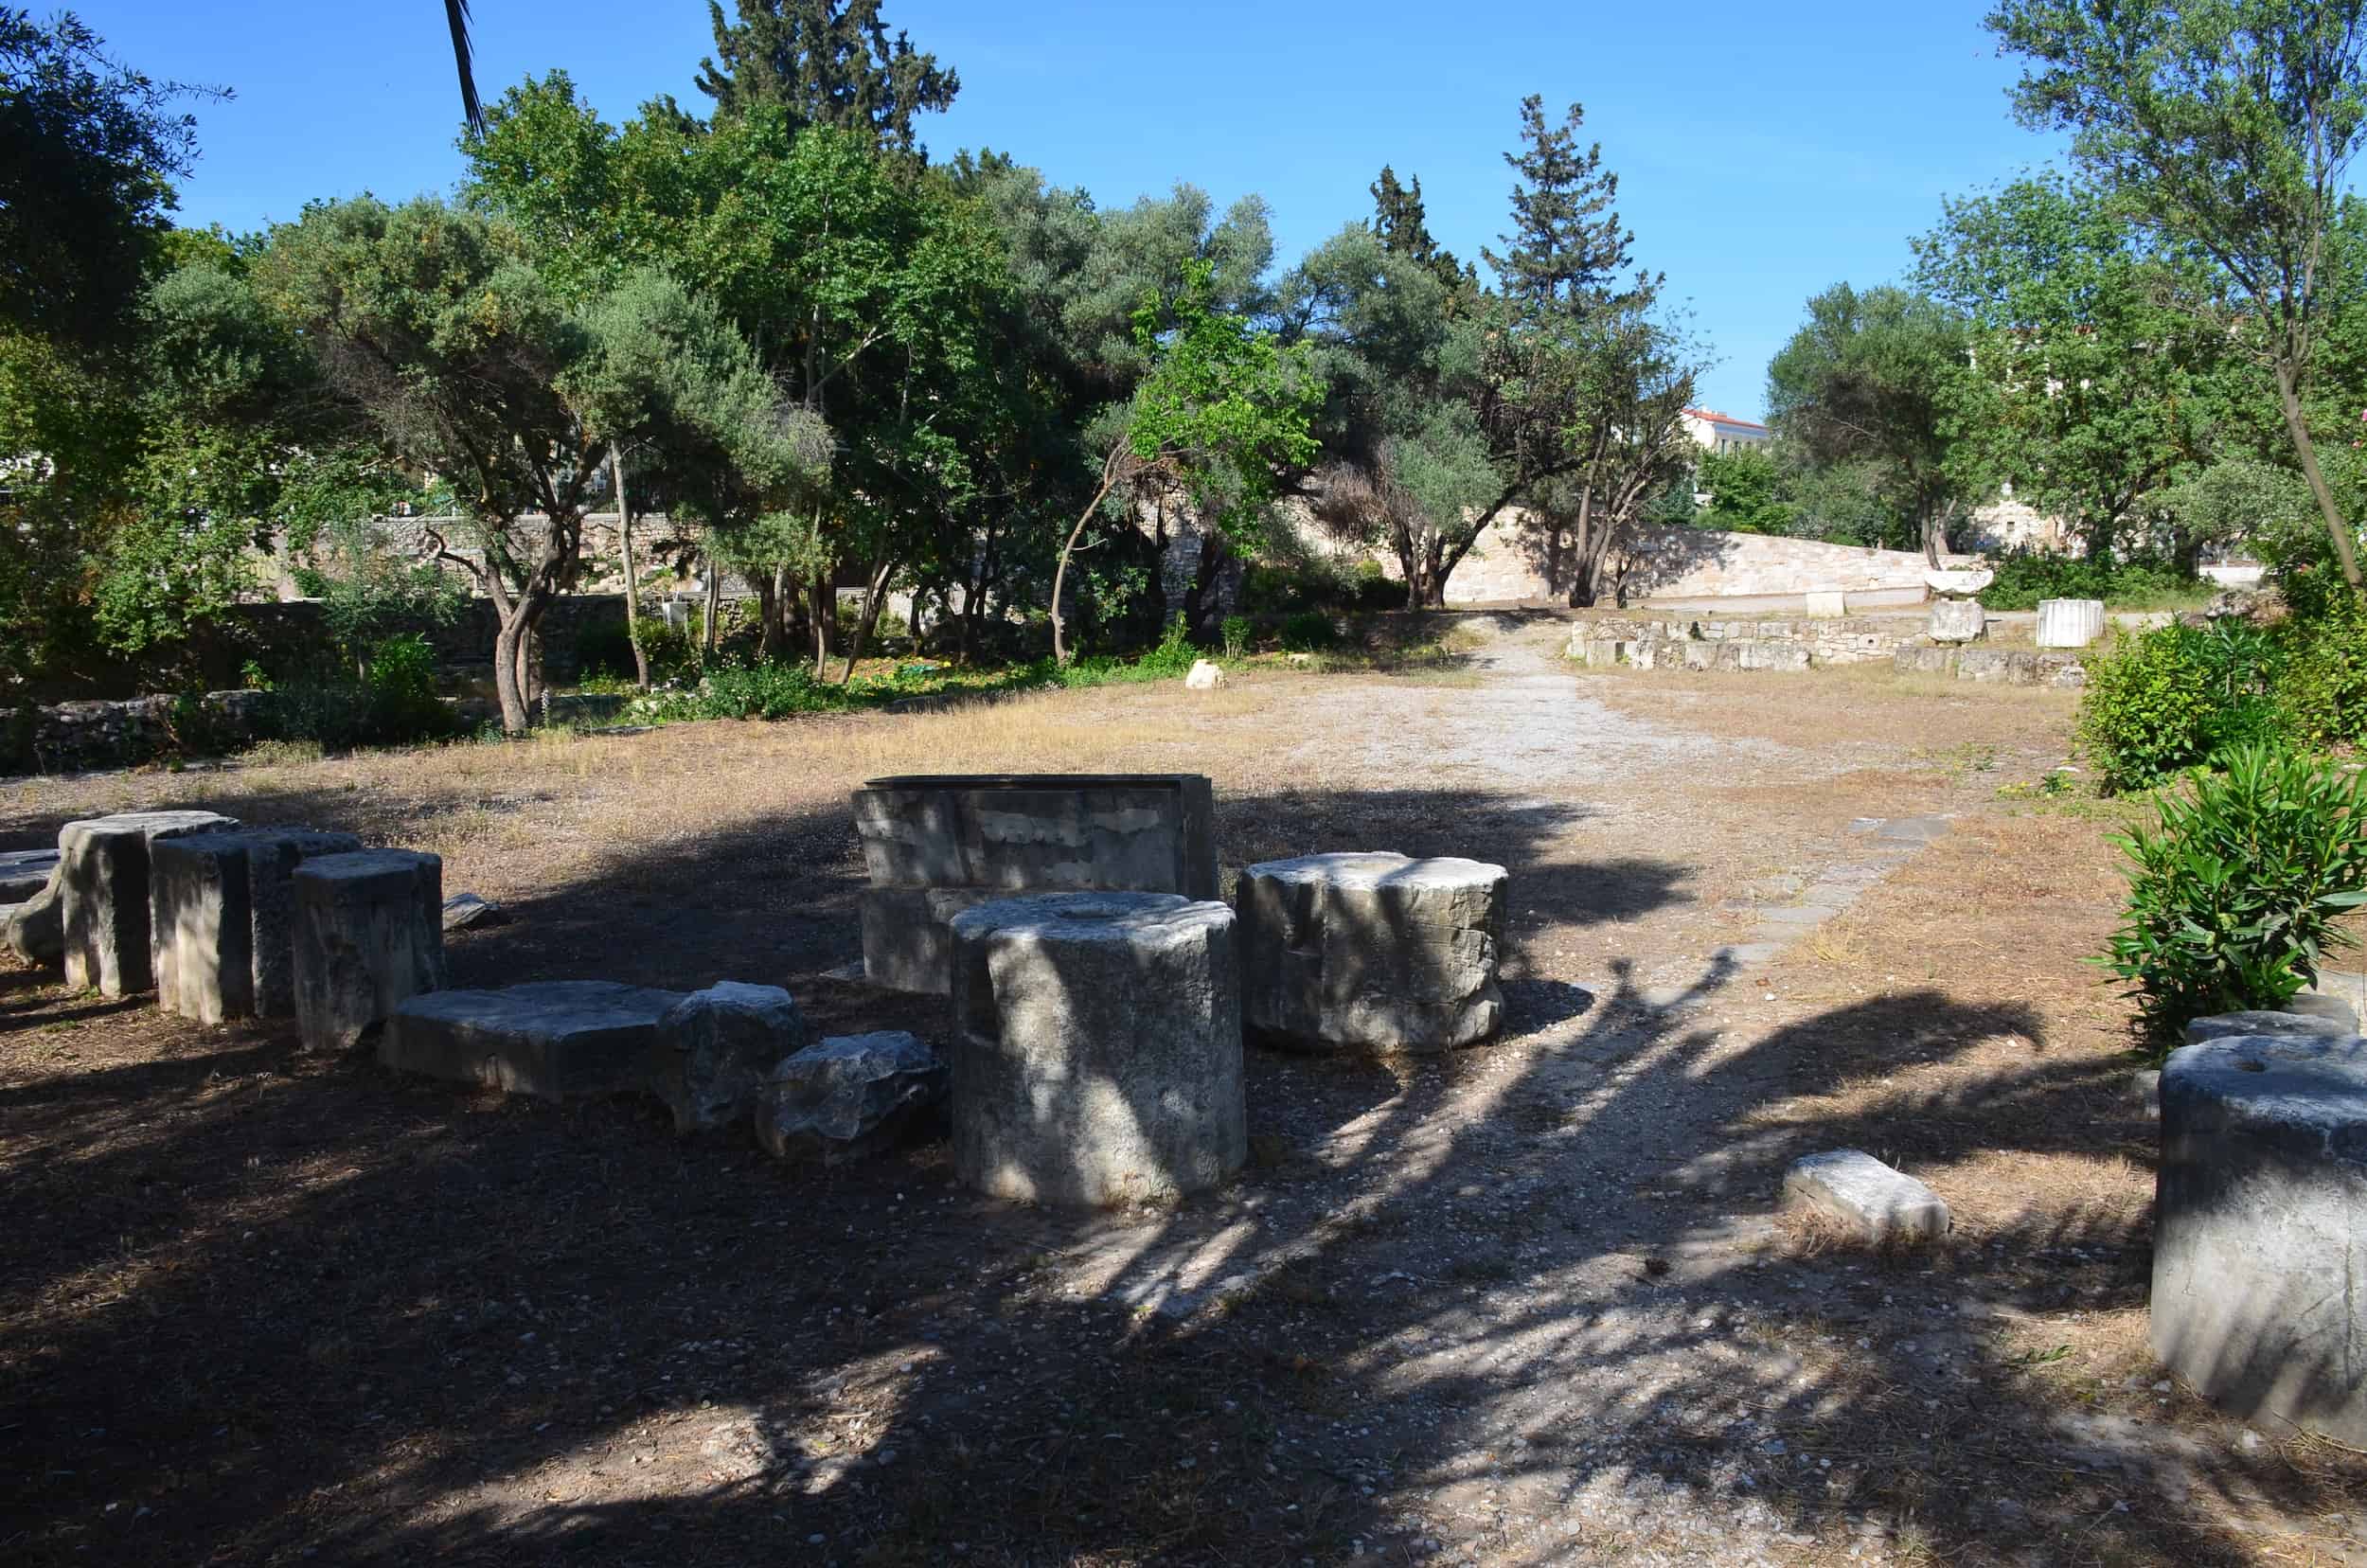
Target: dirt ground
[[1532, 1304]]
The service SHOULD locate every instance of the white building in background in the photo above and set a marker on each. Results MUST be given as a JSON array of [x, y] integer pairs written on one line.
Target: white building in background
[[1722, 433]]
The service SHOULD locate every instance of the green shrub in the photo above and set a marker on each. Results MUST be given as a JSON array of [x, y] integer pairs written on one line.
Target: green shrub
[[2322, 684], [1175, 654], [2175, 697], [736, 691], [1239, 632], [1307, 632], [393, 704], [2025, 577], [2234, 895]]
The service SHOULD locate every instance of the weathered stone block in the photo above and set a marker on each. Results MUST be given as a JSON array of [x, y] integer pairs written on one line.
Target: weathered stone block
[[1826, 605], [1372, 951], [35, 930], [850, 1097], [1924, 661], [1959, 582], [25, 872], [908, 936], [1786, 657], [2263, 1024], [2333, 1009], [1098, 1054], [1957, 621], [1996, 666], [2063, 672], [1881, 1204], [103, 884], [368, 933], [2257, 1269], [556, 1039], [223, 915], [2070, 623], [1696, 655], [716, 1047], [1205, 675]]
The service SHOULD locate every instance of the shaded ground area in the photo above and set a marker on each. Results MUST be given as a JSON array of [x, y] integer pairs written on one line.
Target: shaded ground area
[[1530, 1304]]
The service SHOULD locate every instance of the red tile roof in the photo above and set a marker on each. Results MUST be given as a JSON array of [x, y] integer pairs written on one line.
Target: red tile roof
[[1716, 418]]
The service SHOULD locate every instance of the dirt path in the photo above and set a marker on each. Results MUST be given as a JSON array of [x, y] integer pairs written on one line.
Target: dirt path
[[1529, 1304]]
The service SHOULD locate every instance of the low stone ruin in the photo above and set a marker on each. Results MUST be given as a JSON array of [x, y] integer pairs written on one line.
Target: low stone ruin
[[222, 910], [1097, 1058], [2070, 623], [1956, 615], [850, 1097], [2256, 1266], [369, 932], [103, 893], [935, 844], [1372, 951], [25, 873], [1881, 1204]]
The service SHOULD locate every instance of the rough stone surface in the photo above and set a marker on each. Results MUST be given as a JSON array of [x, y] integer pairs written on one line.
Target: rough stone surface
[[2332, 1009], [1881, 1204], [1957, 621], [2274, 1025], [25, 872], [463, 910], [983, 837], [1099, 1056], [717, 1047], [1205, 676], [2257, 1267], [102, 875], [223, 915], [1826, 605], [850, 1097], [368, 933], [1371, 952], [1959, 582], [35, 930], [552, 1039], [2070, 623]]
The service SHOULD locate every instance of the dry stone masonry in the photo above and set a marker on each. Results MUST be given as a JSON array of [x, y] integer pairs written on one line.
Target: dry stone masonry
[[1371, 952], [1097, 1054], [2257, 1269], [937, 844], [368, 933]]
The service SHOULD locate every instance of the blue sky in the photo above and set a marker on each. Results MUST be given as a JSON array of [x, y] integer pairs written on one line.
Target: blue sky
[[1764, 151]]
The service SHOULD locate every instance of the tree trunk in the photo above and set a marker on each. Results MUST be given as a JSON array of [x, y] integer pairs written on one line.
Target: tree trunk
[[2337, 531], [1068, 547], [825, 619], [633, 573], [873, 597], [714, 611], [1934, 534]]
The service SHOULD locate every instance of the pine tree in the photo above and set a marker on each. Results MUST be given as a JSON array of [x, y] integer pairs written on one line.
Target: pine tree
[[1567, 241], [828, 63], [1401, 224]]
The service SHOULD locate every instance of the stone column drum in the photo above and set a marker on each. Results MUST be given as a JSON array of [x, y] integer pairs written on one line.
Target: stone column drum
[[102, 883], [221, 912], [2070, 623], [2257, 1267], [369, 932], [1097, 1050], [1371, 952]]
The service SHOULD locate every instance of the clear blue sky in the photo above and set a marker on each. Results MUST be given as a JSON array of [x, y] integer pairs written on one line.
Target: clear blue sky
[[1765, 150]]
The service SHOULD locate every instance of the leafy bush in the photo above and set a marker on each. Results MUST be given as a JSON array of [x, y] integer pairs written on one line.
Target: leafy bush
[[2322, 684], [2174, 697], [736, 691], [2025, 577], [394, 703], [1239, 632], [1175, 654], [2234, 895], [1307, 632]]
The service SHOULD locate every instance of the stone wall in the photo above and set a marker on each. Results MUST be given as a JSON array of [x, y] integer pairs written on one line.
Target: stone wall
[[1846, 639]]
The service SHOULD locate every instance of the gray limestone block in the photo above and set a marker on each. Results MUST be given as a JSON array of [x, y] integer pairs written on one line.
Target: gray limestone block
[[716, 1048], [552, 1039], [1153, 832], [102, 869], [221, 918], [1882, 1205], [1957, 621], [1098, 1053], [2256, 1264], [273, 856], [1698, 654], [25, 872], [1372, 951], [463, 910], [2332, 1009], [1788, 657], [2278, 1026], [35, 930], [1924, 661], [849, 1096], [908, 936], [368, 933]]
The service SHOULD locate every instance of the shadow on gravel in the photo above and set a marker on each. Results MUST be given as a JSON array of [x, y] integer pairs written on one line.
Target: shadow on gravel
[[257, 1306]]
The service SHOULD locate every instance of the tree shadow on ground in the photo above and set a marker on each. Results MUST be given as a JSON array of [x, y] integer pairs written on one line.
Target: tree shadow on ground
[[259, 1304]]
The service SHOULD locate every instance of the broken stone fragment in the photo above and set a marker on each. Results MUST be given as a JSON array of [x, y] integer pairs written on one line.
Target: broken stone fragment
[[1881, 1204], [25, 872], [1205, 676], [716, 1049], [2266, 1024], [850, 1097], [35, 930], [463, 910]]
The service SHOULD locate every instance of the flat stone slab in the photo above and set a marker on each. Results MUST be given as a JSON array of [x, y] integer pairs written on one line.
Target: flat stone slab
[[2257, 1269], [1881, 1204], [2332, 1009], [2267, 1026], [552, 1039], [24, 873]]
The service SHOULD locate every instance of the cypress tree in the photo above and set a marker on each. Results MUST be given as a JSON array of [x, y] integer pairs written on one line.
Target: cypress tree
[[828, 63]]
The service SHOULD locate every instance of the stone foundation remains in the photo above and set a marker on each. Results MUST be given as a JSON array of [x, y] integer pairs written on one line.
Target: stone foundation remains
[[103, 883], [369, 932], [935, 844]]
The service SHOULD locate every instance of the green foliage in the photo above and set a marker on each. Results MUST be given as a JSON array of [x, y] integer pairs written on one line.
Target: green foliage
[[827, 63], [2235, 892], [1238, 632], [1745, 492], [2321, 685], [1174, 655], [392, 702], [2176, 697], [2025, 577], [1307, 632]]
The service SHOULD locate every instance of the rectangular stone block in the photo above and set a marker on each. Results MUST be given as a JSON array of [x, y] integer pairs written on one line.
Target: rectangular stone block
[[1924, 661], [907, 934], [102, 880], [556, 1039], [1826, 605], [25, 872], [1881, 1204], [369, 932], [1698, 655], [221, 911]]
